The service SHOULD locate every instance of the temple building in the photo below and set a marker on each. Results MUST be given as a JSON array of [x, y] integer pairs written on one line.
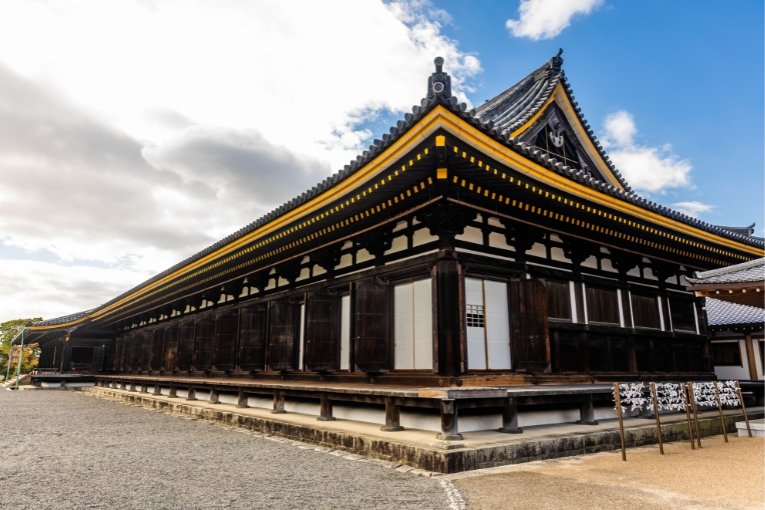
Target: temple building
[[490, 247]]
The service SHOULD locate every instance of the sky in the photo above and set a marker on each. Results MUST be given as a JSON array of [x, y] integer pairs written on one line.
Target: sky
[[134, 133]]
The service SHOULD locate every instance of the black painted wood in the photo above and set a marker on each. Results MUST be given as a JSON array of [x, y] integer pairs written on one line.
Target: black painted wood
[[283, 335], [171, 347], [185, 345], [529, 341], [322, 333], [373, 347], [204, 336], [226, 334], [157, 349], [252, 337]]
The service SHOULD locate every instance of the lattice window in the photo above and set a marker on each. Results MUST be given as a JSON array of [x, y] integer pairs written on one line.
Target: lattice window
[[475, 316]]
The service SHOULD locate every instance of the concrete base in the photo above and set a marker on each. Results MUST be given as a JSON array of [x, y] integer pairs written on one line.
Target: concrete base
[[757, 427], [417, 448]]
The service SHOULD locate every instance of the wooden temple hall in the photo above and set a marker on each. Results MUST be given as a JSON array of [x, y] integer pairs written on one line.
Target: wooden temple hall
[[466, 253]]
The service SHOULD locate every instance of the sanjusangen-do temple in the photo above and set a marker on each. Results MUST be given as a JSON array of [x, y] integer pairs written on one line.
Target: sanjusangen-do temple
[[465, 253]]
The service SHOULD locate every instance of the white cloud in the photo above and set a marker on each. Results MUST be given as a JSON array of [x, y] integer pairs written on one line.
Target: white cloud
[[545, 19], [133, 133], [693, 208], [650, 169]]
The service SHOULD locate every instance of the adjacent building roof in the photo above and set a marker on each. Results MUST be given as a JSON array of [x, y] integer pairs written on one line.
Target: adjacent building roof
[[723, 315], [740, 283]]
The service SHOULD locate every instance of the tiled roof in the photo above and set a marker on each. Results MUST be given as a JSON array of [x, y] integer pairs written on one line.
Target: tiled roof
[[722, 313], [528, 95], [517, 105], [63, 319], [752, 271]]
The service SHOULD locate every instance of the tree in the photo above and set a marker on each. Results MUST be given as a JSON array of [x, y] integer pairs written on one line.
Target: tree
[[31, 353]]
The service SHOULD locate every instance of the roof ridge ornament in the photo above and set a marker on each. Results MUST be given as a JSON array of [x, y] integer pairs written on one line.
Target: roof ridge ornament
[[439, 83], [557, 61]]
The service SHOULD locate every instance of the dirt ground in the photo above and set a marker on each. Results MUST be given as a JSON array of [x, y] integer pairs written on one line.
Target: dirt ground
[[718, 476]]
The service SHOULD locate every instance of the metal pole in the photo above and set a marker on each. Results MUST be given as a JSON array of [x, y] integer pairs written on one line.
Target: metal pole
[[21, 356]]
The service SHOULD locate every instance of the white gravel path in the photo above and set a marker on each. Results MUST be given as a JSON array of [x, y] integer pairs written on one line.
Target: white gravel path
[[65, 450]]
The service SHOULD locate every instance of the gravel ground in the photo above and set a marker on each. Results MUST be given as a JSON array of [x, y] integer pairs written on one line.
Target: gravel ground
[[63, 450], [719, 476]]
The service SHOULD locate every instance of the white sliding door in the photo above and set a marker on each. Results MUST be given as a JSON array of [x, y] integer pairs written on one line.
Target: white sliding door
[[345, 332], [413, 325], [488, 324]]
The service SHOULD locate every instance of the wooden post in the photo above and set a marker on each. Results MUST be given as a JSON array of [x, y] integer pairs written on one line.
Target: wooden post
[[752, 364], [510, 417], [392, 416], [144, 388], [173, 392], [157, 389], [687, 406], [241, 400], [214, 396], [692, 398], [587, 412], [656, 413], [449, 424], [325, 408], [192, 393], [449, 307], [278, 403], [743, 408], [618, 402], [719, 409]]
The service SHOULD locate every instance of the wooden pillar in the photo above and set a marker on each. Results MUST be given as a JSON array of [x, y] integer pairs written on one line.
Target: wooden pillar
[[157, 389], [449, 421], [144, 388], [192, 394], [587, 412], [448, 307], [173, 392], [510, 417], [278, 402], [392, 416], [241, 400], [325, 410], [214, 396], [66, 357], [749, 344]]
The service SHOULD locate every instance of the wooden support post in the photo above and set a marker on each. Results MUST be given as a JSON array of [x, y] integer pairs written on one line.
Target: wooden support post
[[694, 410], [144, 388], [214, 396], [687, 405], [752, 364], [449, 421], [392, 416], [618, 407], [587, 412], [157, 389], [655, 402], [192, 394], [719, 409], [241, 400], [510, 417], [449, 298], [325, 408], [278, 402], [132, 386], [743, 408], [173, 392]]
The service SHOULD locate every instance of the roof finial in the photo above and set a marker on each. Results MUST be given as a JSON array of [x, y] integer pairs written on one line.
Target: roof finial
[[557, 61], [439, 83]]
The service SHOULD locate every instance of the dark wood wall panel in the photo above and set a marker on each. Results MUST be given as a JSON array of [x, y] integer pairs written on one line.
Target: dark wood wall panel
[[645, 310], [157, 349], [226, 334], [322, 332], [283, 336], [146, 351], [253, 335], [185, 345], [373, 342], [558, 299], [529, 340], [204, 336], [602, 305], [171, 347]]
